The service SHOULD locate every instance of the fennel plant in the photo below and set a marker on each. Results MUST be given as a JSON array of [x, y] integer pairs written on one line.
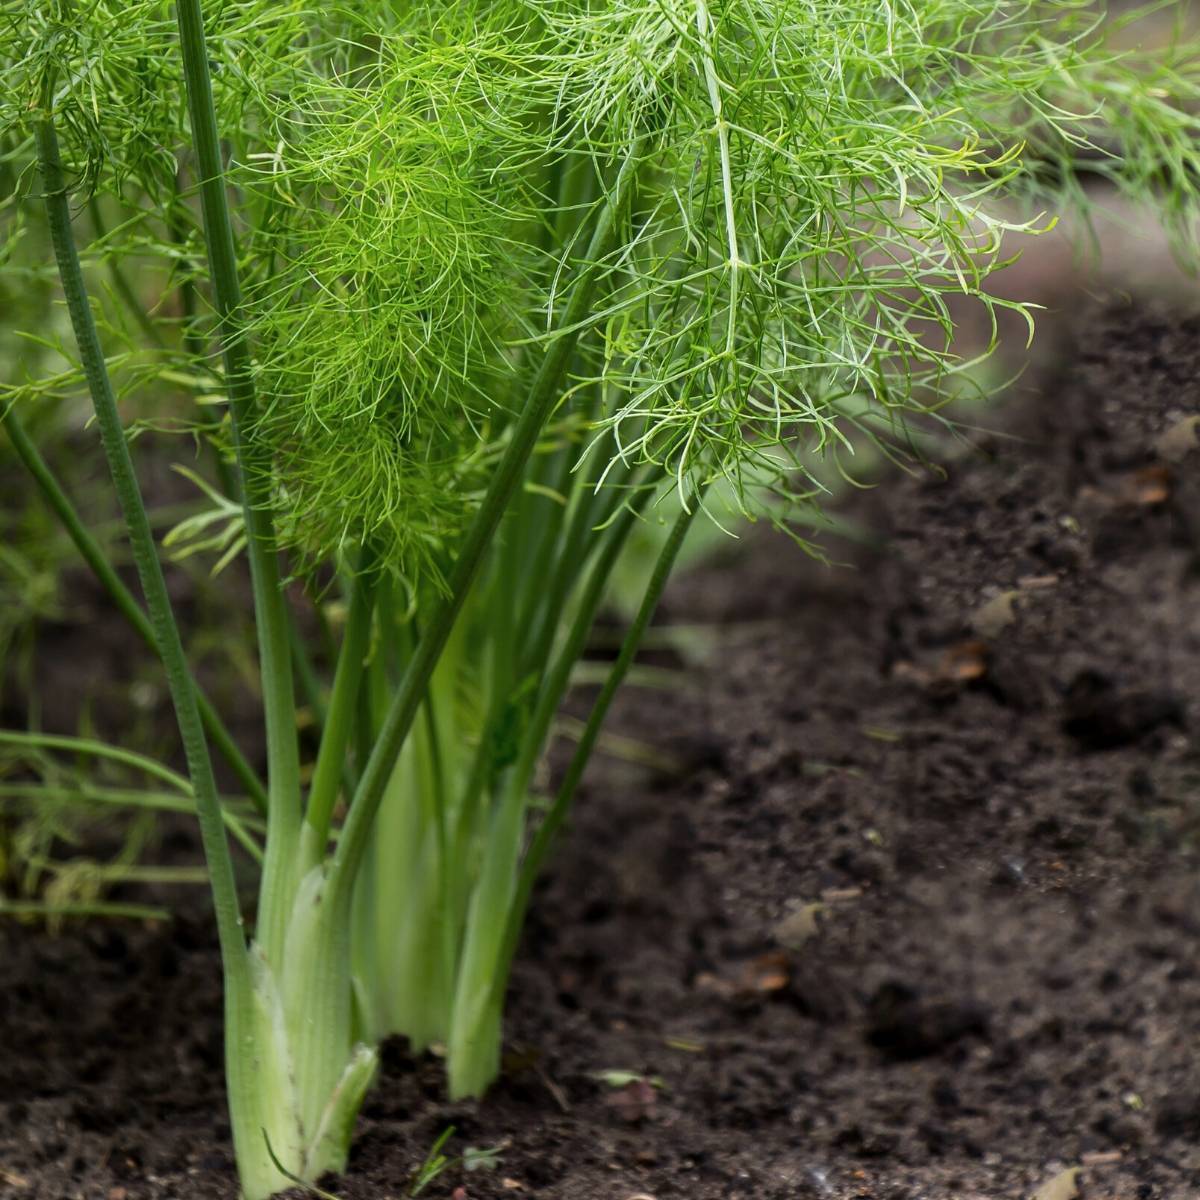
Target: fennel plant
[[460, 294]]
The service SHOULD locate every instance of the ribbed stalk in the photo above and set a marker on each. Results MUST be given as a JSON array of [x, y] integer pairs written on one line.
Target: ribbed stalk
[[335, 736], [239, 1017], [306, 1079], [473, 1047], [600, 706]]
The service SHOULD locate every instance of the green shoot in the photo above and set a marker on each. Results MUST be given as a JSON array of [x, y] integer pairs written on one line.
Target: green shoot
[[435, 1163]]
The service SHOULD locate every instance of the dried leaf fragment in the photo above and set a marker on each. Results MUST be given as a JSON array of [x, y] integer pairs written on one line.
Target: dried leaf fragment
[[964, 662], [996, 614], [1151, 486], [635, 1102], [707, 981], [839, 895], [1176, 443], [767, 973], [798, 926], [960, 663], [1064, 1186]]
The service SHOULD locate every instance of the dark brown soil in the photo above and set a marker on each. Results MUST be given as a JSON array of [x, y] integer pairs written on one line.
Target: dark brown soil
[[975, 751]]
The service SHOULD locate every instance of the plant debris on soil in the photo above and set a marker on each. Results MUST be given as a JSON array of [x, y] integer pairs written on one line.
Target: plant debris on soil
[[917, 919]]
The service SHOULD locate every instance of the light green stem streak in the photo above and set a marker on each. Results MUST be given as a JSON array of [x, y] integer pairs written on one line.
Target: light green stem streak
[[145, 554], [559, 676], [99, 908], [91, 553], [712, 82], [335, 736], [590, 512], [539, 628], [279, 701], [306, 675], [536, 855], [89, 746], [546, 533], [544, 394], [473, 1044]]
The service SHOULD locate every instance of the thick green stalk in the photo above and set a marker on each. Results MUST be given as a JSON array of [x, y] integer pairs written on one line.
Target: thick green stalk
[[279, 701], [559, 676], [539, 625], [306, 1080], [545, 536], [239, 1018], [306, 675], [544, 394], [145, 553], [420, 878], [91, 553], [591, 512], [616, 675]]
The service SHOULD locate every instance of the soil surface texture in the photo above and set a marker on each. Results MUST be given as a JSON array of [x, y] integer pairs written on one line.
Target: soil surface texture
[[914, 916]]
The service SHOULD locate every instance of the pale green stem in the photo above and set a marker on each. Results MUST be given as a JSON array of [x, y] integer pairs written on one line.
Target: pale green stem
[[99, 908], [559, 676], [721, 130], [306, 675], [473, 1046], [279, 701], [239, 996], [544, 394], [543, 839], [335, 736], [132, 799], [590, 512], [89, 746]]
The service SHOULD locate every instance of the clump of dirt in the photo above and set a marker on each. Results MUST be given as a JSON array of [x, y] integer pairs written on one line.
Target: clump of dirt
[[916, 919]]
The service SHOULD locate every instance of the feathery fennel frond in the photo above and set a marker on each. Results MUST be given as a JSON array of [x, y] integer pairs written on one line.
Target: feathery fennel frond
[[823, 181], [819, 186]]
